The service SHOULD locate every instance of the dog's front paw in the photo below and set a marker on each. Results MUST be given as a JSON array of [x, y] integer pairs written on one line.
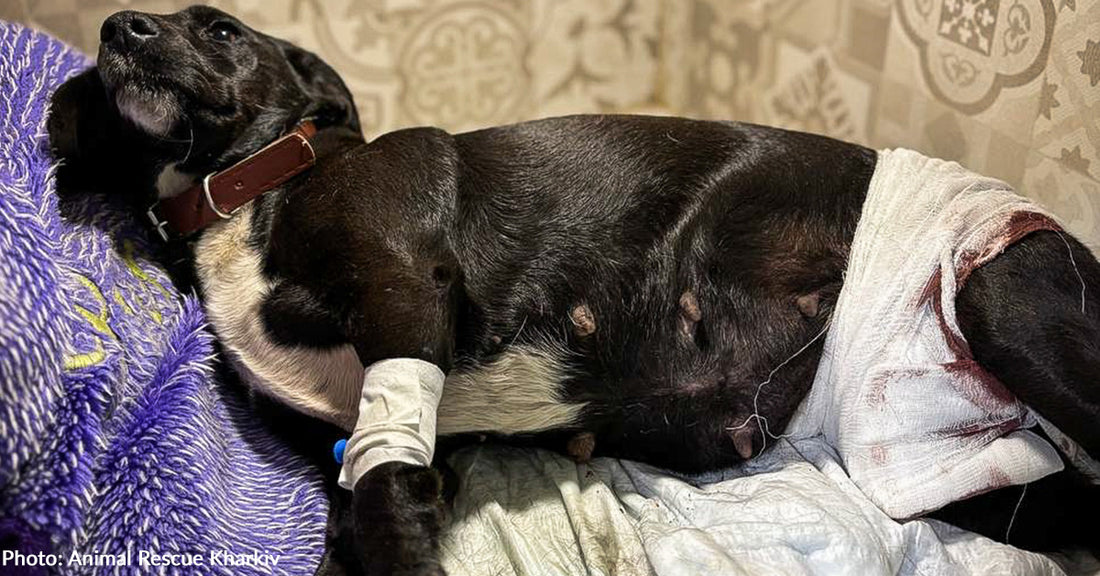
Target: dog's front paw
[[398, 517]]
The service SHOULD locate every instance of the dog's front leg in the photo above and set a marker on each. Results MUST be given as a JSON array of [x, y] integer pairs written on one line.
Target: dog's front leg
[[391, 526], [397, 291], [402, 327], [396, 502]]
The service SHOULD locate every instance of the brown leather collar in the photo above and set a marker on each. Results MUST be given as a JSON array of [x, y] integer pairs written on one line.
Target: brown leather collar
[[220, 194]]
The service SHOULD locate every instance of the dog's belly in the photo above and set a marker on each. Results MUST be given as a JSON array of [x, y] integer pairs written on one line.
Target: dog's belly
[[519, 391]]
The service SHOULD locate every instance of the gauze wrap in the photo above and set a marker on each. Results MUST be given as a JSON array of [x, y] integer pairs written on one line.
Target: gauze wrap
[[916, 421], [396, 417]]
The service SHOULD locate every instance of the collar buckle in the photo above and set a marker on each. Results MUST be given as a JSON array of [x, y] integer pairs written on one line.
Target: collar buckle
[[161, 226], [210, 201]]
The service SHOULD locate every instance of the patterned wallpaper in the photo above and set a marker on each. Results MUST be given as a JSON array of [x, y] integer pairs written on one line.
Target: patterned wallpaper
[[1010, 88]]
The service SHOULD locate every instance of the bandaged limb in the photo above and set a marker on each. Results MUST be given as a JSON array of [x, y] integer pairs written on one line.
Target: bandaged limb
[[397, 412]]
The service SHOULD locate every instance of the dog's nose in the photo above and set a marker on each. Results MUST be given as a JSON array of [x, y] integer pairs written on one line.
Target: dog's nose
[[127, 28]]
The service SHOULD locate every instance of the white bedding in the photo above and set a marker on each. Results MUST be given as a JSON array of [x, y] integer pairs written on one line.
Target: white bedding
[[790, 511]]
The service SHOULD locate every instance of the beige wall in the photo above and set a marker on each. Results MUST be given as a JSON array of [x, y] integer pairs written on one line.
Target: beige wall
[[1010, 88]]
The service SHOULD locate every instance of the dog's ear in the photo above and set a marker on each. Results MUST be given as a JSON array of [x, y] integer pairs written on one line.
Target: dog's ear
[[80, 127], [77, 109], [330, 101]]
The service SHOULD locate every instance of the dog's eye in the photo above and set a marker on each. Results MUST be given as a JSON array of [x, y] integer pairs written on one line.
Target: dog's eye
[[223, 31]]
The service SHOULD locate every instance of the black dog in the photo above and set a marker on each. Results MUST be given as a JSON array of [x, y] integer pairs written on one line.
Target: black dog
[[606, 275]]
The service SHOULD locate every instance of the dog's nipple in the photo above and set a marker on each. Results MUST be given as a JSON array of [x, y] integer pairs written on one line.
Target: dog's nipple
[[584, 323], [809, 305], [742, 441], [690, 314], [581, 446]]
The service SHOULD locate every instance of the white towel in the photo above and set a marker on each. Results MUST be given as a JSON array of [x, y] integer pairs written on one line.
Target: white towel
[[917, 423]]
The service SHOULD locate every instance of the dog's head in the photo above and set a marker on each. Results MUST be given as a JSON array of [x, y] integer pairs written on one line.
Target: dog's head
[[186, 93]]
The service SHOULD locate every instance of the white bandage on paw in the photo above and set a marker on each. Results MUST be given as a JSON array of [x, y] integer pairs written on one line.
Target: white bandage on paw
[[396, 417]]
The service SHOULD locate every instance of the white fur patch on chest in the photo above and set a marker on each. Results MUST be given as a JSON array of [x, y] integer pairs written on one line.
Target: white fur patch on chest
[[519, 391], [155, 112], [171, 181], [321, 383]]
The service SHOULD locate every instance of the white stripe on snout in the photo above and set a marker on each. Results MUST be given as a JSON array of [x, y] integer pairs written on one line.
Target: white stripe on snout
[[517, 392]]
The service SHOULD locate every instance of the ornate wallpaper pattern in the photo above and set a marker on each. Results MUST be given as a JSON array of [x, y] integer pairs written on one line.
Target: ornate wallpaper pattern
[[1009, 88]]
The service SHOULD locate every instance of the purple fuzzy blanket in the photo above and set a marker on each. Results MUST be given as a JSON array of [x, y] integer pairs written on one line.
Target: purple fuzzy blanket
[[115, 437]]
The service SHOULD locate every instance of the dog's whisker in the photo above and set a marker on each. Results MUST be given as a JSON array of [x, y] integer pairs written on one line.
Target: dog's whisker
[[191, 142], [1076, 270]]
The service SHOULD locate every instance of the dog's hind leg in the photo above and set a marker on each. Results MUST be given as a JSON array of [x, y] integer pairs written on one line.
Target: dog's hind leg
[[1032, 318]]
